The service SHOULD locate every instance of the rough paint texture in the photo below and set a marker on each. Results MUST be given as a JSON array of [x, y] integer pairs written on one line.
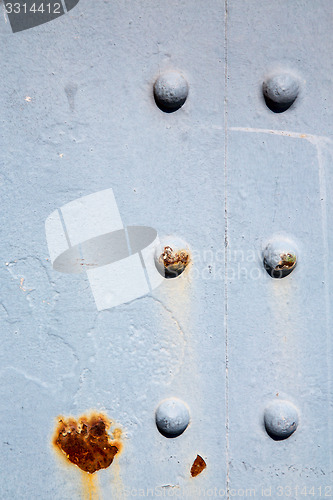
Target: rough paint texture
[[78, 115]]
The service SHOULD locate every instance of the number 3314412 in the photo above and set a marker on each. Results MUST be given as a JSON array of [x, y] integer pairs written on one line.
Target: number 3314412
[[35, 8]]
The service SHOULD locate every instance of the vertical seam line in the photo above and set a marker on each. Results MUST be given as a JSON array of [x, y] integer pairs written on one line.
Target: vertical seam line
[[226, 243], [323, 202]]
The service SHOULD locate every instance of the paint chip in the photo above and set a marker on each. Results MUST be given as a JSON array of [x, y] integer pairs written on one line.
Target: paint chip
[[198, 466]]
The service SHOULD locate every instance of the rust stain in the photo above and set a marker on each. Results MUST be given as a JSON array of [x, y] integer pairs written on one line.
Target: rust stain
[[90, 487], [174, 261], [198, 466], [22, 287], [288, 261], [85, 441]]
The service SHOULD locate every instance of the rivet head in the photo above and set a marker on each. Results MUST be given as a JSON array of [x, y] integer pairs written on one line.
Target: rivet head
[[170, 91], [280, 419], [172, 256], [280, 257], [280, 91], [172, 417]]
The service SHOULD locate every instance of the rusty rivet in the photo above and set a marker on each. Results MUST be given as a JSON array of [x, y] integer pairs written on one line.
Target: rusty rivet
[[280, 91], [280, 419], [170, 91], [280, 257], [172, 417], [171, 257]]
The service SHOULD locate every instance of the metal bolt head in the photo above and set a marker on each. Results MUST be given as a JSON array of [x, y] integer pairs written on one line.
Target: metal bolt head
[[280, 91], [171, 257], [280, 257], [172, 417], [280, 419], [170, 91]]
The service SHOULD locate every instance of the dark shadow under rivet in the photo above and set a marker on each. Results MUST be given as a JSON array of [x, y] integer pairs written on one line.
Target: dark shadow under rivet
[[280, 91], [280, 419], [170, 91]]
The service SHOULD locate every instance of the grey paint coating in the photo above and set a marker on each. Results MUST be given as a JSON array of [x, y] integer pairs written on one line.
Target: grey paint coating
[[79, 116], [59, 355]]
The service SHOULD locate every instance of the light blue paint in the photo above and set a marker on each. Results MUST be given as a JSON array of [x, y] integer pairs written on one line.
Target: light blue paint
[[79, 116]]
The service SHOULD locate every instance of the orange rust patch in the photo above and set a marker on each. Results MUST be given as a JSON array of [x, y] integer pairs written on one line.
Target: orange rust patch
[[288, 261], [198, 466], [86, 443], [174, 261]]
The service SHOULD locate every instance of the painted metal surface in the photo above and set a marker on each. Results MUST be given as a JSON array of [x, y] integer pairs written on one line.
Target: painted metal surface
[[226, 175]]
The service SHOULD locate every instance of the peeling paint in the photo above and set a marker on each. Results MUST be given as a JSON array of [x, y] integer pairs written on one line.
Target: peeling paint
[[198, 466]]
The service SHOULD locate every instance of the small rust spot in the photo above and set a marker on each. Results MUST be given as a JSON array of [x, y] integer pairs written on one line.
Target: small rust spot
[[287, 262], [174, 261], [86, 443], [198, 466]]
